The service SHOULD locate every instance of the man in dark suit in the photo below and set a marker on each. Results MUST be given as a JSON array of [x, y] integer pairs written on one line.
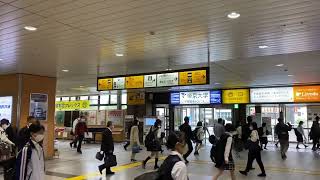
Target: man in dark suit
[[107, 147]]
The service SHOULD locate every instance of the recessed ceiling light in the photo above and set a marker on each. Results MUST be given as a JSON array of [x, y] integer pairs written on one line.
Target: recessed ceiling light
[[233, 15], [119, 54], [280, 65], [81, 86], [1, 59], [263, 47], [30, 28], [65, 70], [168, 69], [217, 83], [290, 75]]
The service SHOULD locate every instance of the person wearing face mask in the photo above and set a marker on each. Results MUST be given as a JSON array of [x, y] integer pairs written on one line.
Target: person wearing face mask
[[107, 147], [254, 151], [134, 139], [30, 160], [155, 146], [24, 134], [81, 129]]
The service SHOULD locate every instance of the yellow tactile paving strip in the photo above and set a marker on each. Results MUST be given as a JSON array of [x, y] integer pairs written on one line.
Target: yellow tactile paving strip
[[238, 166]]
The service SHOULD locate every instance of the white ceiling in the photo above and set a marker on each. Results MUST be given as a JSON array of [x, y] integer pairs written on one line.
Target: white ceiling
[[83, 36]]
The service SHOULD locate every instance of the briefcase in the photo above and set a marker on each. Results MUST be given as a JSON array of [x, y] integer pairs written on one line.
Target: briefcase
[[110, 160]]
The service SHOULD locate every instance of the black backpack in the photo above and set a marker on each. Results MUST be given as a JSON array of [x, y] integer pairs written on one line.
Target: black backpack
[[194, 134], [212, 139], [296, 132], [150, 141]]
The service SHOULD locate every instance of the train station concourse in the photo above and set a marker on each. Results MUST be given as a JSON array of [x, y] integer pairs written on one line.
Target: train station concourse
[[159, 89]]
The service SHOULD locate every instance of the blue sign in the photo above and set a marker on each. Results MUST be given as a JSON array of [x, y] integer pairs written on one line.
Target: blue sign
[[215, 97], [175, 98]]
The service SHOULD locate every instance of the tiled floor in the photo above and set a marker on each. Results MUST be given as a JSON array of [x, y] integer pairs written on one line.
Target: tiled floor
[[302, 164]]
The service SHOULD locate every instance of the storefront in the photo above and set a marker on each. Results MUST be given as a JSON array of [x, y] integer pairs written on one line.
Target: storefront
[[295, 104]]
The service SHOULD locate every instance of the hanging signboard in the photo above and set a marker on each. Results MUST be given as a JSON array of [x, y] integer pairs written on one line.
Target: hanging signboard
[[119, 83], [38, 106], [193, 77], [235, 96], [196, 97], [184, 77], [134, 82], [167, 79], [6, 107], [136, 98], [150, 80], [306, 93], [270, 95], [105, 84], [72, 105]]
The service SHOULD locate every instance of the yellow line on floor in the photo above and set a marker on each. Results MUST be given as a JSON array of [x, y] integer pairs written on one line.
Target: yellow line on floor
[[239, 166]]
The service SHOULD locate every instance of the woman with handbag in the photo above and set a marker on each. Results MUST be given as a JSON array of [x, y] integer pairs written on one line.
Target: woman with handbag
[[254, 151], [107, 147], [134, 140]]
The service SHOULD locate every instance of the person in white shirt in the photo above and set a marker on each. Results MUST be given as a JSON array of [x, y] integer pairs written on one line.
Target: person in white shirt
[[134, 139], [175, 160], [226, 163], [74, 125], [254, 151]]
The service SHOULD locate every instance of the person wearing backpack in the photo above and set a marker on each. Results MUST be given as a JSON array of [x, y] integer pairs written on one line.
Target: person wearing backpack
[[282, 130], [301, 137], [173, 167], [152, 143], [199, 136], [223, 155], [263, 135], [186, 129], [254, 151]]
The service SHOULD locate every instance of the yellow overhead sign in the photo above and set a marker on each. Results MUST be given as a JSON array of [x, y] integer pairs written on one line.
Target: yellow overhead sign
[[134, 82], [193, 77], [235, 96], [136, 98], [72, 105], [104, 84]]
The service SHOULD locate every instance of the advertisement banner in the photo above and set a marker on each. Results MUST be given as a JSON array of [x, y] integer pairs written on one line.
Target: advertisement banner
[[6, 107], [235, 96], [119, 83], [134, 82], [72, 105], [270, 95], [116, 116], [105, 84], [150, 80], [306, 93], [193, 77], [38, 106], [167, 79], [136, 98]]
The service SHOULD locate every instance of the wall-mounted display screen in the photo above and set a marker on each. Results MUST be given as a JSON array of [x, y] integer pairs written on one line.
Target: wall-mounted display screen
[[6, 107]]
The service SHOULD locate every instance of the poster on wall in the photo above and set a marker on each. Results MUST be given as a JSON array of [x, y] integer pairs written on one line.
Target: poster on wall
[[60, 118], [38, 106], [101, 118], [6, 107], [116, 116]]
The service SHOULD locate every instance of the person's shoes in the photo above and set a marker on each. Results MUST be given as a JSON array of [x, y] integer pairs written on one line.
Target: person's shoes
[[125, 148], [100, 169], [110, 173], [283, 156], [156, 167], [305, 146], [133, 160], [262, 175], [161, 151], [252, 168], [244, 173], [143, 165], [71, 145], [186, 161], [196, 153], [79, 151], [265, 148], [298, 147], [276, 145]]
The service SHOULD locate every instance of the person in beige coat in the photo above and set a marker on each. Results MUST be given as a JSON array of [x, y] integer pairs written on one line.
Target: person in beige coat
[[134, 139]]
